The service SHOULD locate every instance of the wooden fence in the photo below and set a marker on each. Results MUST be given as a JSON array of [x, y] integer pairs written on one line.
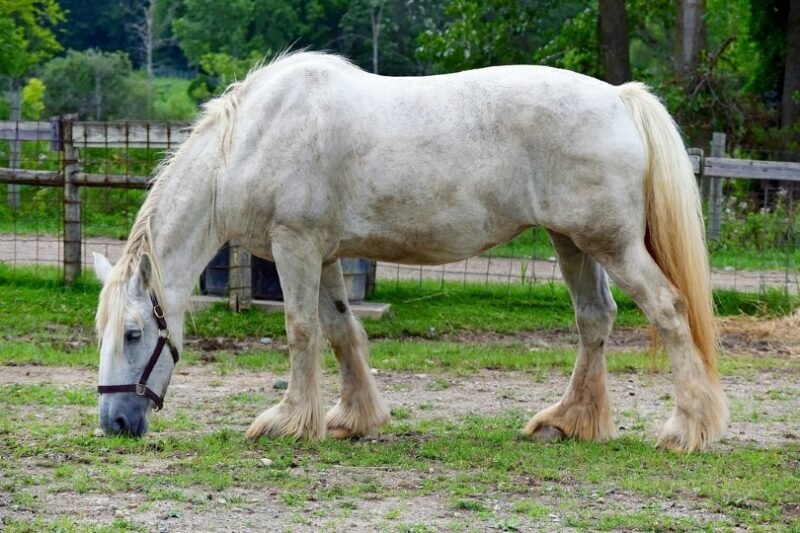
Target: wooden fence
[[68, 137]]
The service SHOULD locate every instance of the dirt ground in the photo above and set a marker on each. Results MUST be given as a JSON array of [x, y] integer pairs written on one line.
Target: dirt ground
[[641, 403]]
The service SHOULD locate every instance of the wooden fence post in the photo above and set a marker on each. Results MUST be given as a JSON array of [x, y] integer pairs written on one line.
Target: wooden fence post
[[700, 176], [715, 189], [72, 206], [240, 292], [15, 145]]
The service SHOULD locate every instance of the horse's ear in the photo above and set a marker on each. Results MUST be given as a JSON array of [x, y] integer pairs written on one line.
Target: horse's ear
[[144, 273], [102, 267]]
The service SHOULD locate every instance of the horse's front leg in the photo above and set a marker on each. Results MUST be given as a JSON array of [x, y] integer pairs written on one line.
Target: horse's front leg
[[360, 409], [299, 413]]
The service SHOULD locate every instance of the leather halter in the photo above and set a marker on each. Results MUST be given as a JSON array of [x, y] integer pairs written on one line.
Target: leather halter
[[140, 387]]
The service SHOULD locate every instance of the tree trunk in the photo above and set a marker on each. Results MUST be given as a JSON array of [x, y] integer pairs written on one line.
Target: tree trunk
[[790, 108], [376, 32], [690, 35], [614, 42]]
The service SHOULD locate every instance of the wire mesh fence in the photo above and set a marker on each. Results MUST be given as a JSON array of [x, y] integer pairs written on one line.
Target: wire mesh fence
[[107, 165], [31, 217]]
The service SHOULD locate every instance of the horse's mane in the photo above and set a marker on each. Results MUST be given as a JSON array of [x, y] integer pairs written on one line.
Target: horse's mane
[[217, 114]]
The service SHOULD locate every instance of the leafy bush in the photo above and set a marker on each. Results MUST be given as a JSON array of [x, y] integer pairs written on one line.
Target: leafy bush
[[95, 85]]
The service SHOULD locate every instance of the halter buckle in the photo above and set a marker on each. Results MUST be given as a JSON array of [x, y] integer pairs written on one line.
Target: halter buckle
[[157, 311], [141, 389]]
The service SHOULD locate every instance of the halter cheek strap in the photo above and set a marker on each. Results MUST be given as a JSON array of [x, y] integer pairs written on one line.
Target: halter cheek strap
[[141, 387]]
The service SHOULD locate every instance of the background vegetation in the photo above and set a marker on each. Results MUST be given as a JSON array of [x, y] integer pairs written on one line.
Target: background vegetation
[[721, 65]]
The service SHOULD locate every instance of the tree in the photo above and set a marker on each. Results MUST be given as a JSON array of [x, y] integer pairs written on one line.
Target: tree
[[26, 34], [495, 32], [98, 85], [236, 28], [150, 23], [790, 101], [614, 41], [381, 35], [690, 36]]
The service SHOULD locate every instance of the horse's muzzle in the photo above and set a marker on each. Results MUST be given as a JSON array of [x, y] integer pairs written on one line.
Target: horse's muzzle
[[124, 414]]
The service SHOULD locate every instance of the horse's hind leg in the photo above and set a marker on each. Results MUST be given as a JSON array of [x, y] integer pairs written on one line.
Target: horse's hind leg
[[299, 413], [583, 412], [701, 412], [360, 409]]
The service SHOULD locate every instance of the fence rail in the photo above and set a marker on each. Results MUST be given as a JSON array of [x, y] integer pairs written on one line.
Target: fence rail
[[69, 138]]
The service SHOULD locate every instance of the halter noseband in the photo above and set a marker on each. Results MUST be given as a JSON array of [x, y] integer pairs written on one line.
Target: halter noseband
[[140, 387]]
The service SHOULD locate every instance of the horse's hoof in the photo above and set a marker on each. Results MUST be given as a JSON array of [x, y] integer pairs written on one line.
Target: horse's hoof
[[341, 433], [548, 434]]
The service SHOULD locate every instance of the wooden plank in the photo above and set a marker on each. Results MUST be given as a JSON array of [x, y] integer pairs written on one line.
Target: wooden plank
[[119, 181], [30, 177], [129, 134], [749, 169], [11, 130]]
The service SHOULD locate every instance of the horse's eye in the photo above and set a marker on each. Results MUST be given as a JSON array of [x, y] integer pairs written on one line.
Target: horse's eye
[[133, 335]]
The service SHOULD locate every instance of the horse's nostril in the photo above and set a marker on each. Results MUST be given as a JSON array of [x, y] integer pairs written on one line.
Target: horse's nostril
[[121, 424]]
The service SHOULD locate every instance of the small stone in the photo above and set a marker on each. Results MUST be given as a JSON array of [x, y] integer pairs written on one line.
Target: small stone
[[266, 462], [631, 393], [729, 269], [280, 384], [98, 432], [223, 501], [551, 259], [373, 371], [265, 340]]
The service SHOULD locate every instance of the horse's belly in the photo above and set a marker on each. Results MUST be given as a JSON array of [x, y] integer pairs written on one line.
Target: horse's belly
[[426, 244]]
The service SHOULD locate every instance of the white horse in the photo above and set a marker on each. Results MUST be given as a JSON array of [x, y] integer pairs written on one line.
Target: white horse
[[310, 159]]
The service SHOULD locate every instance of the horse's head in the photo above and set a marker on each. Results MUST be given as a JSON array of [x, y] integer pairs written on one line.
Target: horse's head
[[136, 354]]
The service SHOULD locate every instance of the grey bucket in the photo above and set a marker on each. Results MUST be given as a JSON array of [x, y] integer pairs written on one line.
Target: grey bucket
[[359, 278]]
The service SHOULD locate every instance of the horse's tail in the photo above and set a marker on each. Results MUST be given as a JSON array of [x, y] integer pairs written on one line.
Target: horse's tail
[[675, 235]]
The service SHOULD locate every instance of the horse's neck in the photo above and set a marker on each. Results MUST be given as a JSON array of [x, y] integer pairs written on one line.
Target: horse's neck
[[184, 229]]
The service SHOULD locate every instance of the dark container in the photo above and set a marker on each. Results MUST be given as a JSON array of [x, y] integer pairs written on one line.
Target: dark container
[[359, 277]]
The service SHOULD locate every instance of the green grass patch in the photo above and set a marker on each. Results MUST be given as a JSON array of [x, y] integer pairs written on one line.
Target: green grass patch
[[47, 395]]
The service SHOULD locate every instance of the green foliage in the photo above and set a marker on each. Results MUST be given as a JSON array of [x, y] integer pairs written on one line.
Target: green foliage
[[96, 85], [26, 34], [171, 100], [400, 23], [575, 46], [33, 99], [479, 34], [238, 28]]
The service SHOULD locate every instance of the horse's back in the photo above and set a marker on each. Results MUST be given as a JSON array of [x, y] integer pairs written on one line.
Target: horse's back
[[431, 169]]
